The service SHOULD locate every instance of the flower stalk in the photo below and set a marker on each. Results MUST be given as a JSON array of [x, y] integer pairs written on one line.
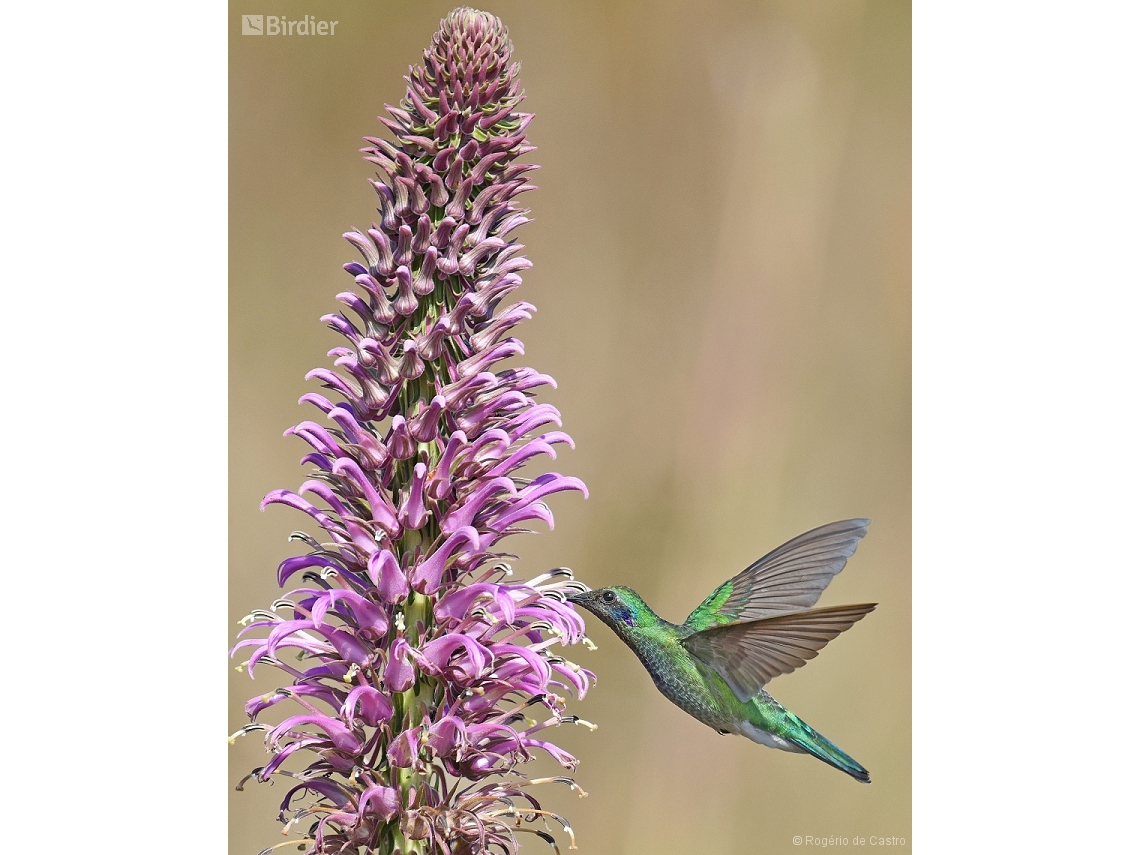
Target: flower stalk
[[421, 678]]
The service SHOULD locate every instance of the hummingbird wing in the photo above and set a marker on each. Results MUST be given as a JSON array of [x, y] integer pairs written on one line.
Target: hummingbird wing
[[750, 654], [789, 578]]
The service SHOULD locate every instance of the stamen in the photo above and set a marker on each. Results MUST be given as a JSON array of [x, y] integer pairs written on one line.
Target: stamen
[[257, 614], [556, 573], [558, 779], [247, 729], [300, 535], [298, 843]]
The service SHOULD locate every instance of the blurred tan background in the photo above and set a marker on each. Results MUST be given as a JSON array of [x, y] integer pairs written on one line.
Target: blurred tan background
[[722, 274]]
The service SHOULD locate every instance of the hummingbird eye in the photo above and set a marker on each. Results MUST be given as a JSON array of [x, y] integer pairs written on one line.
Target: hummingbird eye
[[609, 597]]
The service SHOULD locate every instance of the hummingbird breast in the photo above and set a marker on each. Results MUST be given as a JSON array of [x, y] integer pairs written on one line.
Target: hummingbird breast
[[681, 679]]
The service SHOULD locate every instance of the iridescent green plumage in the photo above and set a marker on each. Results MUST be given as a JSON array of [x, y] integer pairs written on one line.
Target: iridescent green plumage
[[790, 578], [750, 629]]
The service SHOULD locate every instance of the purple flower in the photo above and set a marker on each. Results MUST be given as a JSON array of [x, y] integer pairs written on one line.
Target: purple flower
[[420, 677]]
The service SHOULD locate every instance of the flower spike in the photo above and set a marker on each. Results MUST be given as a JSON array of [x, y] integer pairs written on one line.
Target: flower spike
[[411, 656]]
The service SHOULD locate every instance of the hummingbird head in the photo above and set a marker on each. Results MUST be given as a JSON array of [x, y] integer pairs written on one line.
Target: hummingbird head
[[619, 607]]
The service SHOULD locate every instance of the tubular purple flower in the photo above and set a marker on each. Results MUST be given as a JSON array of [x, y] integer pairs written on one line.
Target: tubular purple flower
[[413, 659]]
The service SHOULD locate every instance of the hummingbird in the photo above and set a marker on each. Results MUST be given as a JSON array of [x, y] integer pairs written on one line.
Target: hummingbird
[[757, 625]]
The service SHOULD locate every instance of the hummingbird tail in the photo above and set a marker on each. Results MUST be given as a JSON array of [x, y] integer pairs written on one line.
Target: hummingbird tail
[[827, 751], [770, 723]]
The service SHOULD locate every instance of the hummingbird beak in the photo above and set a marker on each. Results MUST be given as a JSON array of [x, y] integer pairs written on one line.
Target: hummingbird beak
[[578, 599]]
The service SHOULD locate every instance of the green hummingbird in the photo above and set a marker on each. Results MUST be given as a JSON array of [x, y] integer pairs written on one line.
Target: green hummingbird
[[752, 628]]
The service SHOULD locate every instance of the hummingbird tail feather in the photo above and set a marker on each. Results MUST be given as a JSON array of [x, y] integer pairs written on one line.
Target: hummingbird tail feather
[[772, 724], [830, 753]]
